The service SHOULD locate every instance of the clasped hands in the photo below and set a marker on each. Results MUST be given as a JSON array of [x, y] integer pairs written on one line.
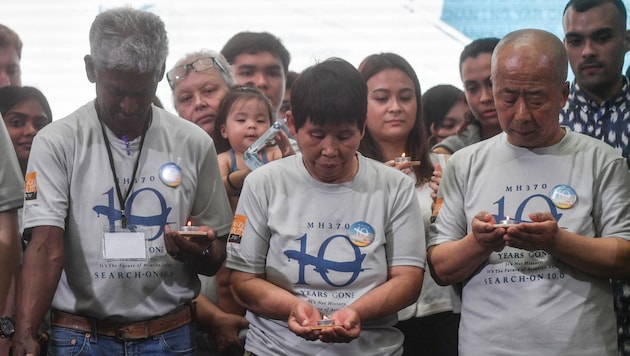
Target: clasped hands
[[304, 316], [539, 234]]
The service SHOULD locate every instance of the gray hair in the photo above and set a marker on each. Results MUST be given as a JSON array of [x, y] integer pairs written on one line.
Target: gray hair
[[128, 39], [228, 77]]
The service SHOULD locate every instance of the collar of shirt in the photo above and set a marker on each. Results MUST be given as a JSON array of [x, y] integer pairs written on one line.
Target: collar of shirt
[[578, 97]]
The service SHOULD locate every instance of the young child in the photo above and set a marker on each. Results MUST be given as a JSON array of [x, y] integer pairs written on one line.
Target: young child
[[244, 115]]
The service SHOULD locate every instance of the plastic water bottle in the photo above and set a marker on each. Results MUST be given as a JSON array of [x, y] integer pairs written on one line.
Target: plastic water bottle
[[251, 155]]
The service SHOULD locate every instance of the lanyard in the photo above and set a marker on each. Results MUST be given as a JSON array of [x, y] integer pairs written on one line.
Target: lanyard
[[121, 200]]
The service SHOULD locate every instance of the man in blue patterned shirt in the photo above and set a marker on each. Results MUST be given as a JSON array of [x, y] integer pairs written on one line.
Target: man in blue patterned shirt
[[596, 41]]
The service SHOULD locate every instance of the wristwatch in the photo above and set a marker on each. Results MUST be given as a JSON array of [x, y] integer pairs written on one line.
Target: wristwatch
[[7, 328]]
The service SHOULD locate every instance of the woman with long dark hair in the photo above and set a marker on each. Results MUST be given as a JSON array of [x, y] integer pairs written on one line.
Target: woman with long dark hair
[[395, 127]]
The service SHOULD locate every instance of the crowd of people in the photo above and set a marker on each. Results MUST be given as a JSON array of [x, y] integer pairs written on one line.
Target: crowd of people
[[383, 221]]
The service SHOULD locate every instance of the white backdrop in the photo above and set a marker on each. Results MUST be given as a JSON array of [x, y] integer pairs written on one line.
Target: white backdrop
[[55, 36]]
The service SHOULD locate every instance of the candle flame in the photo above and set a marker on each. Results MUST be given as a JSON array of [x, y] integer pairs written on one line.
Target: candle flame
[[189, 223], [325, 317], [403, 155], [507, 217]]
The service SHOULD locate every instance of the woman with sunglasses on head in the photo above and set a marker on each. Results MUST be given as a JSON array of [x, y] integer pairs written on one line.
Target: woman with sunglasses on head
[[199, 82]]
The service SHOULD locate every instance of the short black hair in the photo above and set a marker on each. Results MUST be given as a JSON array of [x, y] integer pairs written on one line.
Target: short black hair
[[13, 95], [331, 92], [476, 48], [253, 43], [585, 5]]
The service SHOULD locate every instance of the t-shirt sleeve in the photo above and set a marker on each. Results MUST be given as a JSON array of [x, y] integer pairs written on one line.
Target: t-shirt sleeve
[[406, 242], [610, 206], [11, 180], [47, 189], [248, 241], [451, 223]]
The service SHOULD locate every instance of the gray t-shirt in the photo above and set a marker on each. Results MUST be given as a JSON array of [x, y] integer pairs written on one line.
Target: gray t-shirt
[[327, 243], [75, 191], [470, 135], [528, 302], [11, 180]]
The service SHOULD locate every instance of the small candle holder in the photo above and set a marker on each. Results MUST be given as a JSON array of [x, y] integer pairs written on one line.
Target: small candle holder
[[324, 323], [401, 160], [189, 230], [507, 222]]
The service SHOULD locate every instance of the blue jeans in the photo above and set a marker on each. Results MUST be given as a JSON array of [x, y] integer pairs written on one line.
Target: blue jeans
[[67, 342]]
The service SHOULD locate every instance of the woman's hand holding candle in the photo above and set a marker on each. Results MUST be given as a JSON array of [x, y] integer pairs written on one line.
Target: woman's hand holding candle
[[403, 163]]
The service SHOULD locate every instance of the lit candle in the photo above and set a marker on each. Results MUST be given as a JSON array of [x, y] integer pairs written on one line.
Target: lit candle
[[190, 230], [402, 159], [507, 222], [326, 321], [189, 227]]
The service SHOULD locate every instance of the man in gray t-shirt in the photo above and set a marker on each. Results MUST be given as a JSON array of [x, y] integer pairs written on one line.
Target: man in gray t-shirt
[[537, 282], [109, 187]]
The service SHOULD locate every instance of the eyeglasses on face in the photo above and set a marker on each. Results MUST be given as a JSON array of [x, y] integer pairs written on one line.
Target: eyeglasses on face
[[200, 65]]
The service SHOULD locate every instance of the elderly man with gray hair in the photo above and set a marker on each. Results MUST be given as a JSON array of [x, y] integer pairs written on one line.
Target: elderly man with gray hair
[[108, 190]]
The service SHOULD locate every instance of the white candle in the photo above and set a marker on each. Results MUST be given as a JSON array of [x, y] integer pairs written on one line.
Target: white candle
[[507, 222], [326, 321], [188, 228], [401, 159]]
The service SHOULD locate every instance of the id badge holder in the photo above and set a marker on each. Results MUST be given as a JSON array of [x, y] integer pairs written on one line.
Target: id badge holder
[[125, 244]]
